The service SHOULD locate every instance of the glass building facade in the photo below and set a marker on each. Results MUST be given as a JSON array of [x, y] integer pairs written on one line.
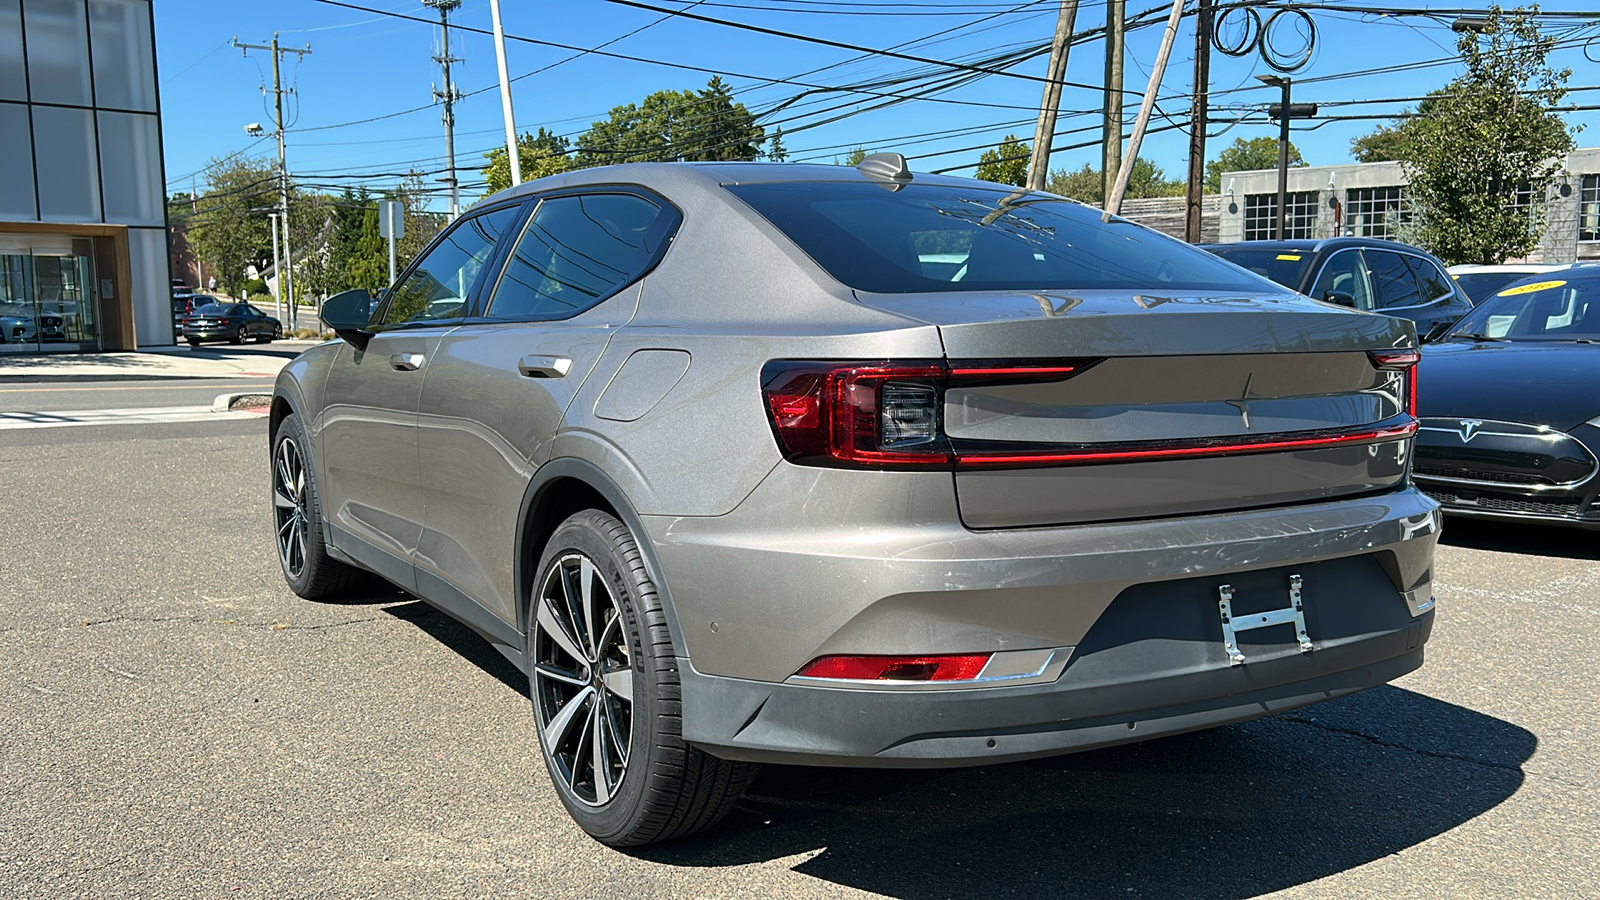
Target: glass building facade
[[83, 236]]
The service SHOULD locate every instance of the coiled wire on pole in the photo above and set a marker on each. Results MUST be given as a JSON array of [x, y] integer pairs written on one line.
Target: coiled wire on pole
[[1240, 30]]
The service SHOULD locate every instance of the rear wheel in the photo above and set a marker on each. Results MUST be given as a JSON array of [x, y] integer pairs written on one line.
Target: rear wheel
[[604, 683], [193, 342], [297, 517], [241, 336]]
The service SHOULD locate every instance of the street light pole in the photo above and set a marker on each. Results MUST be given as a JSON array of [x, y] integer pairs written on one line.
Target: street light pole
[[505, 94], [1283, 112]]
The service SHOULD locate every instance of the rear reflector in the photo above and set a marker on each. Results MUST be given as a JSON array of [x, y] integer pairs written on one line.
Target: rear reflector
[[897, 668]]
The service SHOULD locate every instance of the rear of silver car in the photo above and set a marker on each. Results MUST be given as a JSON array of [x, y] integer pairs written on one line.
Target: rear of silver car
[[1052, 521]]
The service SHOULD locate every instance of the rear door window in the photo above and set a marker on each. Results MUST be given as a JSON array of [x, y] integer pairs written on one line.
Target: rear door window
[[576, 251], [960, 237], [1435, 284], [1393, 285], [1345, 273]]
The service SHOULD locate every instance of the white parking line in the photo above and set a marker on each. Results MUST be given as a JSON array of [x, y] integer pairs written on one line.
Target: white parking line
[[159, 415]]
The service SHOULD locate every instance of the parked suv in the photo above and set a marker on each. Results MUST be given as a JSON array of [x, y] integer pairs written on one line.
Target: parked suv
[[850, 467], [1362, 273]]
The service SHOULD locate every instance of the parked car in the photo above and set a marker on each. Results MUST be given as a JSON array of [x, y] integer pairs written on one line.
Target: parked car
[[16, 328], [1362, 273], [235, 323], [1510, 405], [187, 302], [739, 464], [1482, 282]]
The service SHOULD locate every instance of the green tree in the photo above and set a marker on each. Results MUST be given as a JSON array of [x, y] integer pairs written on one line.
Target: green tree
[[1246, 156], [1146, 180], [542, 154], [1006, 163], [775, 148], [671, 126], [368, 265], [226, 231], [853, 158], [1491, 133]]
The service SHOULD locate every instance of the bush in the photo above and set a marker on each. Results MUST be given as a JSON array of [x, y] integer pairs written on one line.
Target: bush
[[254, 286], [259, 299]]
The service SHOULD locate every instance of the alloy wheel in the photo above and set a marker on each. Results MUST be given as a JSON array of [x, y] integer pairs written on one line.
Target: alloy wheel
[[582, 679], [289, 507]]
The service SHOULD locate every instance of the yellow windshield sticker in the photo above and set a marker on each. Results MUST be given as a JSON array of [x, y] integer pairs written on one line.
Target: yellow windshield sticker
[[1530, 288], [1289, 256]]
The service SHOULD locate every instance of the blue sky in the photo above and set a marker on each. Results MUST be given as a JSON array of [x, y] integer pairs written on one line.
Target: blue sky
[[366, 65]]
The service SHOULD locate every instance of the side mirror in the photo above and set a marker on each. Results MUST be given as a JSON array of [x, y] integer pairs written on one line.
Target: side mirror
[[346, 313], [1341, 298], [1437, 331]]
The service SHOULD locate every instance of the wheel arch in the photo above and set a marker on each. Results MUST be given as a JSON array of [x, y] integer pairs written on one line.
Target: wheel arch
[[560, 488]]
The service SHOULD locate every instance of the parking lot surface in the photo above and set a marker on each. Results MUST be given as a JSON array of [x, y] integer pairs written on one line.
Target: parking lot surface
[[178, 724]]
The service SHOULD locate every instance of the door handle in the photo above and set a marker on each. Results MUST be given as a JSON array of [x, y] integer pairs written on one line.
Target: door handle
[[407, 362], [545, 366]]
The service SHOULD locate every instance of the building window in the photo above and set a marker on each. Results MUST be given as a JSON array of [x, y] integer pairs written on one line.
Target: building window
[[1589, 209], [1375, 212], [1261, 211]]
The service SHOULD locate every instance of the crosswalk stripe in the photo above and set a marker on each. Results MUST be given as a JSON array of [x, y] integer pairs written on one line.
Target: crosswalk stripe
[[159, 415]]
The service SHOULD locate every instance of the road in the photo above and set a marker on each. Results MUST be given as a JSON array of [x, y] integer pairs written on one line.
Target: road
[[177, 724]]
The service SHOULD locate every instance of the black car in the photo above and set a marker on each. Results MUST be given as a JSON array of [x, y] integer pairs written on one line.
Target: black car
[[231, 322], [1510, 405], [1365, 273]]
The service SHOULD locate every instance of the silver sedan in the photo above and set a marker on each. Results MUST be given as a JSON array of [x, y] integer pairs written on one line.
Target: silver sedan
[[831, 466]]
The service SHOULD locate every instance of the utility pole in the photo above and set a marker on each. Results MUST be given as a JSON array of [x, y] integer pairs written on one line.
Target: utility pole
[[1114, 200], [285, 276], [1060, 46], [1111, 134], [276, 267], [505, 94], [1199, 113], [449, 95]]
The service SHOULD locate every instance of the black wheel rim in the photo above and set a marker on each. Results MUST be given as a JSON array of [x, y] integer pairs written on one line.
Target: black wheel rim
[[289, 507], [582, 680]]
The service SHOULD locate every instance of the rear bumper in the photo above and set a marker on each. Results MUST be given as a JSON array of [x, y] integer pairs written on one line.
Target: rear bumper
[[806, 725]]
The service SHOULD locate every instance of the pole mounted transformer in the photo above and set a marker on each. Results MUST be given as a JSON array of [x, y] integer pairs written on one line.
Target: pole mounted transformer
[[449, 95]]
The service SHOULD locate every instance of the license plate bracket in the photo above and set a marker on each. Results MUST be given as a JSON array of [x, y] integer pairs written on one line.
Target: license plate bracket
[[1232, 624]]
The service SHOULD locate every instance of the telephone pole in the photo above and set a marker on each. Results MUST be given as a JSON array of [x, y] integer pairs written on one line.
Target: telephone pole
[[285, 276], [1039, 165], [1198, 115], [449, 95], [1111, 138]]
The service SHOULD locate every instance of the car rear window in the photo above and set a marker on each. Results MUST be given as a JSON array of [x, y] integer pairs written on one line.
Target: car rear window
[[941, 237], [211, 309], [1285, 266]]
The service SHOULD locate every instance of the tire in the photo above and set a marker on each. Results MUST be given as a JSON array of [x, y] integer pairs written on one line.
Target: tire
[[193, 343], [241, 337], [277, 333], [297, 519], [661, 788]]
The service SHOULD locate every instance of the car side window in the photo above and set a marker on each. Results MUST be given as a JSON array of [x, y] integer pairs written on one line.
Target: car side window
[[1344, 273], [1392, 281], [574, 252], [440, 285], [1435, 284]]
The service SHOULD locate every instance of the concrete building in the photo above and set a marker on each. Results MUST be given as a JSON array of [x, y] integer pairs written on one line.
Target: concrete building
[[1369, 200], [83, 239]]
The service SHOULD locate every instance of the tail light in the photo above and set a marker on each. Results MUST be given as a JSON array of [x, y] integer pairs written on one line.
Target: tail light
[[963, 667], [878, 415], [1404, 361]]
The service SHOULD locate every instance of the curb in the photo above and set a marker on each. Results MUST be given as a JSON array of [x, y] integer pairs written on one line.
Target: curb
[[245, 401]]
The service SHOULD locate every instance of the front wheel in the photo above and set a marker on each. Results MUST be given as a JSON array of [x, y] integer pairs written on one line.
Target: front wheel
[[297, 516], [604, 684]]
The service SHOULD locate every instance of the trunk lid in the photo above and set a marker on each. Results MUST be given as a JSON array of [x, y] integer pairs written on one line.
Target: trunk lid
[[1187, 404]]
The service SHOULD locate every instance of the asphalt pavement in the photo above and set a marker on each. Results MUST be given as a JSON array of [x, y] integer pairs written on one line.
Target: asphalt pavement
[[177, 724]]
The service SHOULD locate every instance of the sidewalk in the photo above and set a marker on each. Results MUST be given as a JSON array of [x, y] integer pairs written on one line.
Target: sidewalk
[[209, 361]]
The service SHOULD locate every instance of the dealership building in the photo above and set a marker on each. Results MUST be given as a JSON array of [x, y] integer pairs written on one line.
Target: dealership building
[[83, 237]]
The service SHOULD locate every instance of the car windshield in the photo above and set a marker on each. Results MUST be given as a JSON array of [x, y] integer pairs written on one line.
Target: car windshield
[[1286, 266], [1480, 286], [212, 309], [1548, 310], [944, 237]]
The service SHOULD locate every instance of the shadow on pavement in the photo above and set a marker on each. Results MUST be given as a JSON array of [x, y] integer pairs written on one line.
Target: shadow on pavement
[[1231, 812], [1530, 539]]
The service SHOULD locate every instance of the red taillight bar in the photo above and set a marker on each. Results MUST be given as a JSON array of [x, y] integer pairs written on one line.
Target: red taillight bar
[[1000, 459]]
